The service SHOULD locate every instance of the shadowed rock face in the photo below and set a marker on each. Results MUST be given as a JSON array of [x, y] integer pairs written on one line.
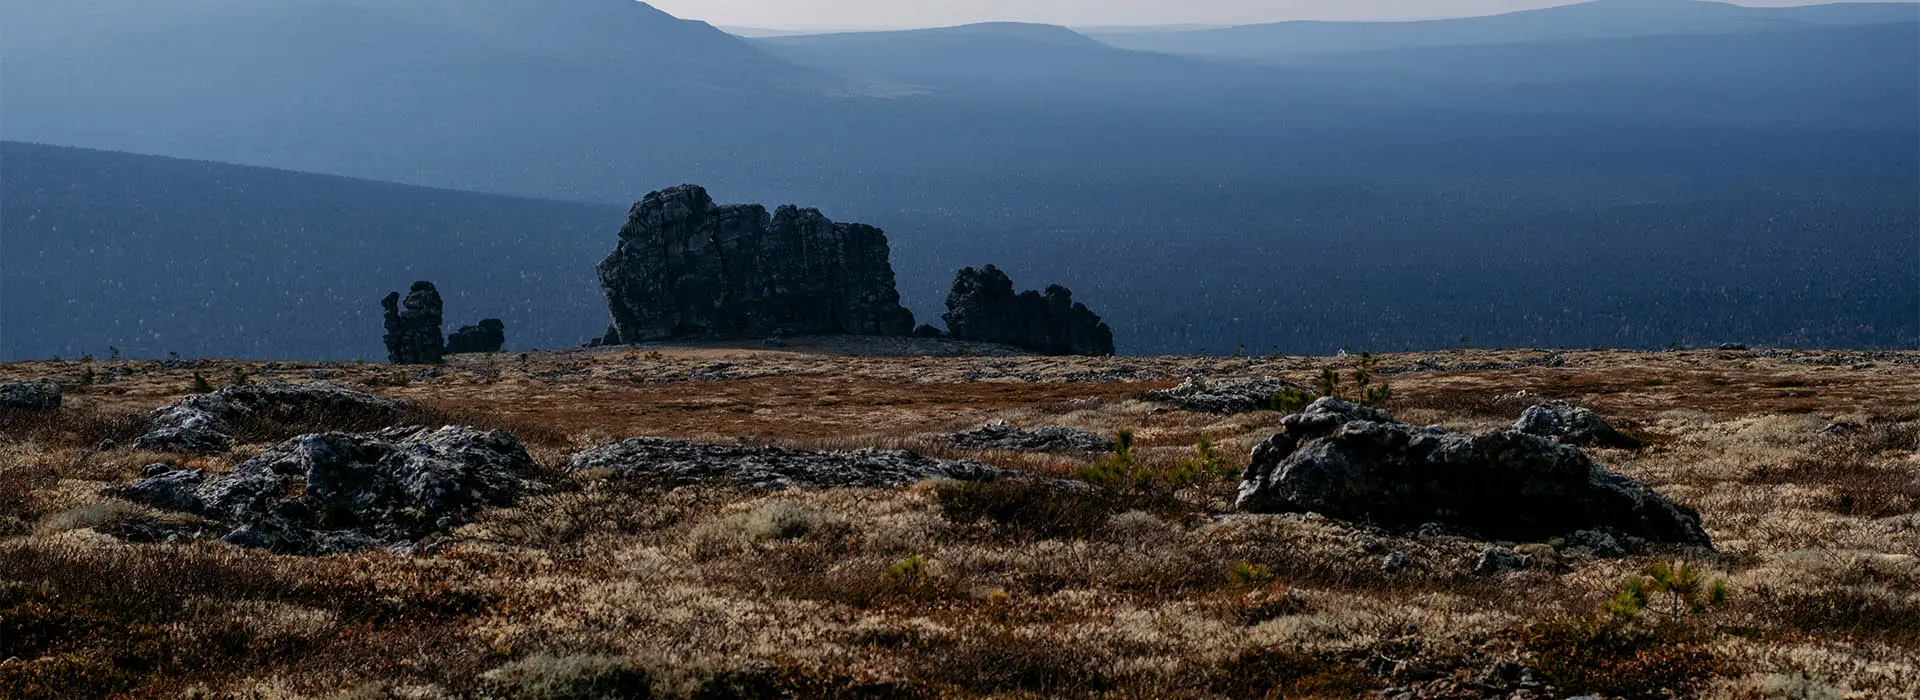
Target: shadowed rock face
[[413, 326], [687, 268], [1354, 463], [489, 336], [984, 307]]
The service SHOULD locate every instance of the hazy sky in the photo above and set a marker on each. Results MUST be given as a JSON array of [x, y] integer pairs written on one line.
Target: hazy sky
[[923, 13]]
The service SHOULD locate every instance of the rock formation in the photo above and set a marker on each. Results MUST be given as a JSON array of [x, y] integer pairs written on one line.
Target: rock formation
[[678, 463], [984, 307], [489, 336], [205, 423], [1359, 464], [342, 492], [1227, 395], [413, 327], [1573, 425], [687, 268], [29, 396], [1001, 435]]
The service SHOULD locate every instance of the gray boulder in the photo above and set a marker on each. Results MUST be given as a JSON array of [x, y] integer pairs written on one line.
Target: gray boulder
[[982, 306], [342, 492], [413, 326], [687, 268], [1226, 395], [1358, 464], [677, 463], [489, 336], [1001, 435], [206, 423], [29, 396], [1573, 425]]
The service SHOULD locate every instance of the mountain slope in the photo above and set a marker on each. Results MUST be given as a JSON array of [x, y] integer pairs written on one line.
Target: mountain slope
[[157, 255], [1598, 19], [999, 55]]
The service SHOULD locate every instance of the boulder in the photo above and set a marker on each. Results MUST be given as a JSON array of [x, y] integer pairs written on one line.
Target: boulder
[[1226, 395], [29, 396], [983, 307], [413, 326], [1573, 425], [689, 269], [677, 463], [489, 336], [205, 423], [1001, 435], [343, 492], [1358, 464]]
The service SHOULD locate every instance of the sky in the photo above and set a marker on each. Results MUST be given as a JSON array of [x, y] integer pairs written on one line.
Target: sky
[[846, 14]]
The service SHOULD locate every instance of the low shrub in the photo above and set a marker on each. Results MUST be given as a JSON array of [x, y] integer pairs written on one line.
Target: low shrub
[[1621, 658], [1026, 508]]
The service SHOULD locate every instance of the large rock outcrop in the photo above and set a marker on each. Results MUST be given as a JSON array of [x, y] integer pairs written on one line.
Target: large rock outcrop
[[489, 336], [204, 423], [1355, 463], [677, 463], [984, 307], [344, 492], [413, 326], [687, 268]]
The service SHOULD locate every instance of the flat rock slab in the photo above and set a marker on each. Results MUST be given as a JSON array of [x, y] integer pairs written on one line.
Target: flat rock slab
[[680, 463], [345, 492], [1359, 464], [1227, 395], [1001, 435]]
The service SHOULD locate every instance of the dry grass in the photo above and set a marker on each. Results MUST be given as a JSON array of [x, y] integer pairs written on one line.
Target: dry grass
[[600, 588]]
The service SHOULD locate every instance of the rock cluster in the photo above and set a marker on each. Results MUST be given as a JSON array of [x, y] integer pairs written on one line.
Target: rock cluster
[[204, 423], [687, 268], [29, 396], [342, 492], [413, 326], [1226, 395], [1573, 425], [1359, 464], [489, 336], [1001, 435], [677, 463], [984, 307]]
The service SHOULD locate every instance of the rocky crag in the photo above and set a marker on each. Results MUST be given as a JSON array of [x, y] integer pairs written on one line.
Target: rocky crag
[[984, 307], [489, 336], [413, 326], [687, 268]]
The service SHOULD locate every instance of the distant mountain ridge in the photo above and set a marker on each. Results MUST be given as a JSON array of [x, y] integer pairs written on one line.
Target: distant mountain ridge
[[992, 54], [1597, 19]]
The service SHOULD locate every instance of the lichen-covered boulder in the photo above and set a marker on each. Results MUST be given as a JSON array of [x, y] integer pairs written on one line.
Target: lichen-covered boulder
[[1573, 425], [205, 423], [677, 463], [29, 396], [1227, 395], [1001, 435], [343, 492], [1358, 464]]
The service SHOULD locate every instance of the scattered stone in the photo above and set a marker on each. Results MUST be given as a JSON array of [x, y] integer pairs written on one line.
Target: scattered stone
[[413, 327], [1001, 435], [1839, 429], [345, 492], [1495, 560], [205, 423], [1394, 563], [1732, 346], [1573, 425], [1226, 395], [1358, 464], [679, 463], [489, 336], [687, 268], [983, 307], [29, 396], [1601, 543]]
